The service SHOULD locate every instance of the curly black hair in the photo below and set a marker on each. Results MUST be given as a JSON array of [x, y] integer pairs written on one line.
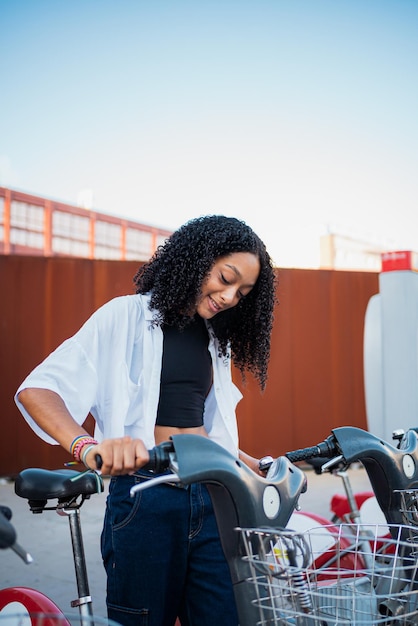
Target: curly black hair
[[177, 270]]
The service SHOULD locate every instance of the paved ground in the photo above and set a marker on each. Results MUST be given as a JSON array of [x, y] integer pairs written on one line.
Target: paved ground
[[47, 538]]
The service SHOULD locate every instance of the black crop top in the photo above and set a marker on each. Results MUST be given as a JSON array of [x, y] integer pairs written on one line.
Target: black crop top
[[186, 375]]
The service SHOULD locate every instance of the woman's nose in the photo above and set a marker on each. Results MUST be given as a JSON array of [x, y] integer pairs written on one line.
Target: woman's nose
[[229, 295]]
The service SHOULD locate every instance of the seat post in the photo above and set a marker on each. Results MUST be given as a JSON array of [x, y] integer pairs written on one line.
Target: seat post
[[84, 601]]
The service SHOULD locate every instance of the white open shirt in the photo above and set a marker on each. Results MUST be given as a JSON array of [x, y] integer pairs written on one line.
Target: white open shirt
[[111, 368]]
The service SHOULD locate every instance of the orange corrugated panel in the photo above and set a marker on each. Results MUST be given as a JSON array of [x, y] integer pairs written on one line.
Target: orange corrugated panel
[[316, 371]]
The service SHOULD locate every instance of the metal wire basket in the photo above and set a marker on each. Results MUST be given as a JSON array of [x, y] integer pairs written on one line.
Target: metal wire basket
[[347, 574], [409, 507]]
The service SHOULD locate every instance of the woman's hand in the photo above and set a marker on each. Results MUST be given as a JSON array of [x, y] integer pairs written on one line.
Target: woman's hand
[[251, 461], [123, 455]]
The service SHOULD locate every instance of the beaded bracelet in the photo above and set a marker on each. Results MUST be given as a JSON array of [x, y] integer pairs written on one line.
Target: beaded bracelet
[[83, 441]]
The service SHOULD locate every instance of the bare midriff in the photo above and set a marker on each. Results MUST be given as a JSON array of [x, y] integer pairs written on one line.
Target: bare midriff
[[163, 433]]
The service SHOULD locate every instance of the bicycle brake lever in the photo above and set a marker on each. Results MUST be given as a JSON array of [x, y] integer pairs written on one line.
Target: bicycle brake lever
[[158, 480], [325, 467], [20, 551]]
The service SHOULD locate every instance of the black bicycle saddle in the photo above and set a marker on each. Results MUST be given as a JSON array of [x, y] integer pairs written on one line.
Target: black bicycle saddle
[[40, 485]]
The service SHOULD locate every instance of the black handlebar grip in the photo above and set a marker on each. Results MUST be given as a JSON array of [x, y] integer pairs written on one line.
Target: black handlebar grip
[[159, 458], [152, 464], [7, 531], [326, 448], [303, 454]]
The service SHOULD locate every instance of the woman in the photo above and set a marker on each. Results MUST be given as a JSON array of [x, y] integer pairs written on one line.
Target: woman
[[148, 366]]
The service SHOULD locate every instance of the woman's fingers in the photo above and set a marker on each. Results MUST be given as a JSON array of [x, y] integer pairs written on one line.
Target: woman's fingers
[[119, 456]]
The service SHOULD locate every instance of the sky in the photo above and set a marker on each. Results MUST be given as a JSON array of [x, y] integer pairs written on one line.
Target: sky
[[298, 116]]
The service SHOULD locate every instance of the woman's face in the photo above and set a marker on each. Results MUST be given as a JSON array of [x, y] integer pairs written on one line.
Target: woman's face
[[231, 278]]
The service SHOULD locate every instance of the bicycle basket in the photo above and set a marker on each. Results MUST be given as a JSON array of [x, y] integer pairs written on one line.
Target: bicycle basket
[[409, 508], [331, 575]]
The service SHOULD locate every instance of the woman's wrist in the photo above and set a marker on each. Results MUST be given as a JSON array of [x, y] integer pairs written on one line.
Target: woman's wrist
[[85, 452], [78, 444]]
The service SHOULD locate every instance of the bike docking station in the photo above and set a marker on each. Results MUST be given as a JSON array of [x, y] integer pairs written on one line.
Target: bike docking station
[[391, 366], [391, 347]]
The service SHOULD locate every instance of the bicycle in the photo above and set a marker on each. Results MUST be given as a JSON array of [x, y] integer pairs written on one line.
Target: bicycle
[[352, 506], [383, 589], [247, 504], [63, 491]]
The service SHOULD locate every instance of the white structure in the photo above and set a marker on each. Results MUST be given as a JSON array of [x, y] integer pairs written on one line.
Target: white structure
[[391, 347]]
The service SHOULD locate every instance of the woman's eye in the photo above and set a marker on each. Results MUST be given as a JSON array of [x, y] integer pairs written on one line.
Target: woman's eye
[[224, 280]]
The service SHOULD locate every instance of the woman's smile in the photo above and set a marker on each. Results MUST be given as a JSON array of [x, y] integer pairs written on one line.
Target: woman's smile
[[231, 278]]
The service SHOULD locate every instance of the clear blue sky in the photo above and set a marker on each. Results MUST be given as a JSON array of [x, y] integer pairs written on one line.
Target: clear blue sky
[[290, 114]]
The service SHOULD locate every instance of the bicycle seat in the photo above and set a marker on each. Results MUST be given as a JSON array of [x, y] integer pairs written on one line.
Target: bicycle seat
[[40, 485]]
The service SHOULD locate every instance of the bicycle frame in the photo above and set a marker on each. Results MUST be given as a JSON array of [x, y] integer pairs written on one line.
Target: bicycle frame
[[69, 489], [391, 469], [240, 498], [243, 499]]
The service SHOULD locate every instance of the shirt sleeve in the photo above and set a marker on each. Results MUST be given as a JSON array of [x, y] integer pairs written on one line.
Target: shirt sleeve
[[92, 370], [70, 372]]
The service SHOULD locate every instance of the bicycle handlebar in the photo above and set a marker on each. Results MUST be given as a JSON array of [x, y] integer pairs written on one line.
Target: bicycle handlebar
[[160, 455], [7, 530], [326, 448], [8, 535], [194, 458], [159, 458], [392, 469]]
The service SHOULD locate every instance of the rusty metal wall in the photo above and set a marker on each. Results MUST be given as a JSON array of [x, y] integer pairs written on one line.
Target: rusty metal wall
[[316, 372]]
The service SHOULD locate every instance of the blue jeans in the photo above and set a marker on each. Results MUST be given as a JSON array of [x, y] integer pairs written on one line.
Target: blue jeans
[[163, 557]]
